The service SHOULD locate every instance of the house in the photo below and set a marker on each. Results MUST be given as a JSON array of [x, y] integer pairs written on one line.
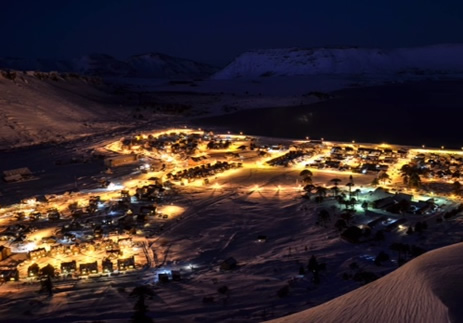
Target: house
[[379, 193], [5, 252], [53, 214], [125, 242], [114, 253], [17, 175], [126, 264], [176, 275], [107, 265], [229, 264], [395, 224], [33, 270], [120, 160], [163, 278], [9, 275], [261, 238], [90, 268], [37, 253], [68, 267]]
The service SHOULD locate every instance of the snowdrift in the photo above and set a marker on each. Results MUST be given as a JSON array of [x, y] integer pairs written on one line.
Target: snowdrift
[[427, 289], [442, 59]]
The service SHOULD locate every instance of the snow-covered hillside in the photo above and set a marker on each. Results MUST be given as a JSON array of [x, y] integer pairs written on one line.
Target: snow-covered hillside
[[151, 65], [276, 62], [42, 107], [427, 289]]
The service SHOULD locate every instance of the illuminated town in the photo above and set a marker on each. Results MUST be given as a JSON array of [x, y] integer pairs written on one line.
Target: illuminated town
[[245, 162], [167, 178]]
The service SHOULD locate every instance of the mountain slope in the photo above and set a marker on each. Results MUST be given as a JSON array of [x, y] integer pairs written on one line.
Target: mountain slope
[[340, 61], [41, 107], [427, 289], [163, 66], [150, 65]]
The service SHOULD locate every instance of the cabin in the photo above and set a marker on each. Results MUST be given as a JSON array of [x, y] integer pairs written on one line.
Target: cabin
[[261, 238], [53, 214], [114, 252], [9, 275], [121, 160], [229, 264], [107, 265], [163, 278], [17, 175], [37, 253], [126, 264], [5, 252], [33, 270], [68, 267], [176, 275], [89, 268], [125, 242]]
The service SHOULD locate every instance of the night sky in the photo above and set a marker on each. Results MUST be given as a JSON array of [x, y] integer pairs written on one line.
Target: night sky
[[217, 31]]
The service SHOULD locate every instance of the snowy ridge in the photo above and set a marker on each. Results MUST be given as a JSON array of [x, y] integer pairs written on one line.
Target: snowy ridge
[[151, 65], [293, 61], [427, 289]]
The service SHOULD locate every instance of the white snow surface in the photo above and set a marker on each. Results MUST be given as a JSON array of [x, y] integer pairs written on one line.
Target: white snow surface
[[427, 289], [442, 59]]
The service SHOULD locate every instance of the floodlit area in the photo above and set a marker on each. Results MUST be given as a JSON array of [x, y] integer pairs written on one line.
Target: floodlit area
[[227, 225]]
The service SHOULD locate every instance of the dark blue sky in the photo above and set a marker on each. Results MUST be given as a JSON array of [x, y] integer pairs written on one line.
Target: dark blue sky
[[217, 31]]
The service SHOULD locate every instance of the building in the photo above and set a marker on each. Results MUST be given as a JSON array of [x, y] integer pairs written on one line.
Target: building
[[37, 253], [261, 238], [5, 252], [33, 270], [107, 266], [163, 278], [126, 264], [90, 268], [9, 275], [53, 214], [120, 160], [17, 175], [229, 264], [176, 275], [68, 267]]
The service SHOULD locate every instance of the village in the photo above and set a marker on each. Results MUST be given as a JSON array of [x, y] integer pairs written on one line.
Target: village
[[153, 182]]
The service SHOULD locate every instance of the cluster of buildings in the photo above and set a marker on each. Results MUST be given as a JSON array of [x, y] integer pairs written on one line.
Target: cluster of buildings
[[203, 171], [443, 166], [359, 159], [83, 269]]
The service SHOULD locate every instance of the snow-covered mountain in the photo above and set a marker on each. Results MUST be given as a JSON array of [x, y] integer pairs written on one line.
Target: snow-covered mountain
[[151, 65], [101, 65], [427, 289], [341, 61], [163, 66]]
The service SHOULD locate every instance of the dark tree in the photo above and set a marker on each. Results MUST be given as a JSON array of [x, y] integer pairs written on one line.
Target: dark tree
[[381, 257], [140, 307]]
